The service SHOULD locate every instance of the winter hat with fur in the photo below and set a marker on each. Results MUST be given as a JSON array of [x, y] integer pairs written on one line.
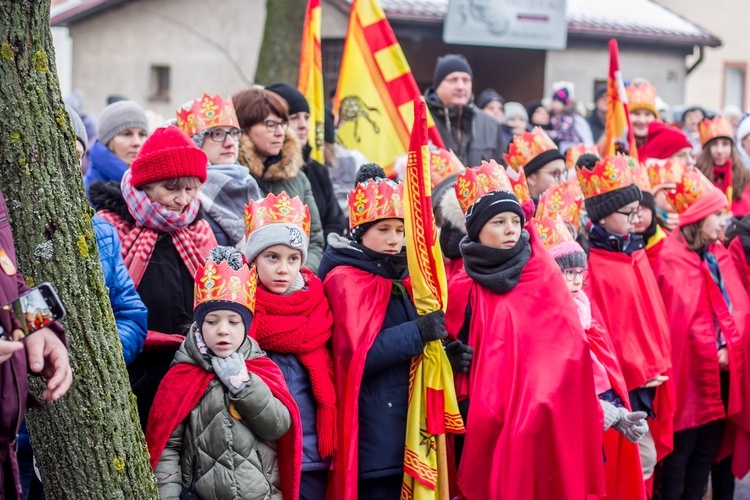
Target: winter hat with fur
[[119, 116], [168, 154]]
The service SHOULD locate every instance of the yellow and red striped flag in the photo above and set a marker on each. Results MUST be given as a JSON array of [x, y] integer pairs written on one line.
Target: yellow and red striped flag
[[433, 407], [375, 89], [618, 116], [311, 78]]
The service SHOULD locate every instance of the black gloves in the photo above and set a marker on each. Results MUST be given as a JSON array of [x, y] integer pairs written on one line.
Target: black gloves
[[459, 355], [431, 326]]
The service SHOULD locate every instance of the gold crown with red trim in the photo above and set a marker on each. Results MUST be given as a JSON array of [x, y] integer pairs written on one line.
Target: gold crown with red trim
[[527, 146], [275, 209], [221, 282], [576, 151], [375, 200], [564, 201], [552, 232], [518, 182], [206, 112], [690, 188], [713, 129], [642, 95], [443, 164], [640, 174], [664, 171], [478, 181], [609, 174]]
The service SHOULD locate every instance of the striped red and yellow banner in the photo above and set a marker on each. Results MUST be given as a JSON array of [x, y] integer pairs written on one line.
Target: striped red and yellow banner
[[311, 78]]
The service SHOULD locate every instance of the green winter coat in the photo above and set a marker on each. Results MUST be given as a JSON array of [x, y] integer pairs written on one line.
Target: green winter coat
[[236, 459]]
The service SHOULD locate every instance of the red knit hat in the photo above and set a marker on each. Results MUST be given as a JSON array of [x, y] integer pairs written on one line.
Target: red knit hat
[[168, 154], [662, 141]]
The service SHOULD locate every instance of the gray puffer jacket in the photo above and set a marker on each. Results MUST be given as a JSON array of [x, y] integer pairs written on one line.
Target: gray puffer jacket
[[231, 459]]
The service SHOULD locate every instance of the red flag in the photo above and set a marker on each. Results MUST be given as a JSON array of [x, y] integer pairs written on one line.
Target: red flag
[[618, 116]]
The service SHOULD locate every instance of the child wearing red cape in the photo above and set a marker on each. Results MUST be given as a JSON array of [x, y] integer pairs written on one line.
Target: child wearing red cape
[[708, 310], [738, 238], [522, 440]]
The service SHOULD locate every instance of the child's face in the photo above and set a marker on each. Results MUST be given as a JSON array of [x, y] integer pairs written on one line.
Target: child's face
[[644, 219], [386, 236], [622, 221], [278, 266], [502, 231], [574, 279], [223, 332]]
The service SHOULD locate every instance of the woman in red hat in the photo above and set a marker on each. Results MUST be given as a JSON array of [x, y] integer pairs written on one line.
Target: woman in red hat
[[164, 240], [708, 311]]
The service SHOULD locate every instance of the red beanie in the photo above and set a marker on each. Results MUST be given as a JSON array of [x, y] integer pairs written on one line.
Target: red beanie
[[168, 154], [710, 203], [662, 141]]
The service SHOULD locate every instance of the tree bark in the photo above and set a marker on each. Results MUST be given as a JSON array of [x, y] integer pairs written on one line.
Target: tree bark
[[89, 444], [282, 37]]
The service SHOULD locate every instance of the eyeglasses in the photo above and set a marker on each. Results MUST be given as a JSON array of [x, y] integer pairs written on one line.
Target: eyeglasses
[[557, 174], [273, 125], [632, 215], [572, 274], [219, 135]]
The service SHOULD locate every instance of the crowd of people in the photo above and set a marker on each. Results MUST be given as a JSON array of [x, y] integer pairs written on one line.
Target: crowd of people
[[597, 319]]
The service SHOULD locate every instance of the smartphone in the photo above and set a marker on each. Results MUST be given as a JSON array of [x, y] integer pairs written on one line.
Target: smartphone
[[34, 310]]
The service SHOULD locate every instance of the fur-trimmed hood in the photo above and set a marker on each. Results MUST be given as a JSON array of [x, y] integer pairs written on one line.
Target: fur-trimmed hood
[[286, 165], [451, 210]]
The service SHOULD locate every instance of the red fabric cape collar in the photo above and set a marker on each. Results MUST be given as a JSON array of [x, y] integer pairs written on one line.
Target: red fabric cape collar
[[184, 386]]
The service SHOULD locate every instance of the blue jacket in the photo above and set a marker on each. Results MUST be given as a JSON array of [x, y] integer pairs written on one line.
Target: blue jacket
[[384, 394], [130, 313], [104, 166]]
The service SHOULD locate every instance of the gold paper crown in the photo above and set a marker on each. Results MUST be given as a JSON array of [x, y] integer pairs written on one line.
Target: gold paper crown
[[664, 171], [518, 182], [578, 150], [609, 174], [640, 174], [279, 209], [552, 232], [712, 129], [564, 201], [375, 200], [690, 188], [220, 282], [642, 95], [526, 147], [443, 164], [206, 112], [476, 182]]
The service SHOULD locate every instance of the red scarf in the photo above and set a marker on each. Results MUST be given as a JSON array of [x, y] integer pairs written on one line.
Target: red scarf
[[723, 176], [301, 323], [182, 389]]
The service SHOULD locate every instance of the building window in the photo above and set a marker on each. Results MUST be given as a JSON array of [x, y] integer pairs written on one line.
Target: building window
[[160, 83], [734, 84]]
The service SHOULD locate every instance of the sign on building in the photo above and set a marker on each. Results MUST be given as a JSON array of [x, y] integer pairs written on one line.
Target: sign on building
[[525, 24]]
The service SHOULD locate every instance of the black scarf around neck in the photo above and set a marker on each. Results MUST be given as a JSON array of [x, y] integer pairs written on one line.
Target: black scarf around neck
[[493, 268]]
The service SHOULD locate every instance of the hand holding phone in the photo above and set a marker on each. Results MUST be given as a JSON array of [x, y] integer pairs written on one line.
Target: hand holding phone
[[32, 311]]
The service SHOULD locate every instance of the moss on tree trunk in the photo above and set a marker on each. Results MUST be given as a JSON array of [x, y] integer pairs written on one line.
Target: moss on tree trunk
[[89, 444], [282, 36]]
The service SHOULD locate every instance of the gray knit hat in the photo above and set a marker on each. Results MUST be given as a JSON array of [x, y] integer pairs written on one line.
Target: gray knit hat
[[276, 234], [119, 116], [515, 110], [78, 128]]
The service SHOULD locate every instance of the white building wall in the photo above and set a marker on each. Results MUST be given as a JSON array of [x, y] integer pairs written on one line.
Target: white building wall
[[63, 58]]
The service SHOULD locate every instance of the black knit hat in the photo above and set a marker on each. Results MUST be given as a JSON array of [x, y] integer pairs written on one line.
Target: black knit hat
[[600, 206], [293, 97], [487, 96], [448, 64], [538, 162], [489, 206]]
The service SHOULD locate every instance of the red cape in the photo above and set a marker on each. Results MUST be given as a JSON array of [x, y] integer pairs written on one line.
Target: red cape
[[624, 289], [183, 387], [531, 367], [693, 301], [358, 300], [653, 248], [740, 261]]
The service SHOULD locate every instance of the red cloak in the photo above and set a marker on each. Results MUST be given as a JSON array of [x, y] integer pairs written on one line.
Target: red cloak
[[693, 302], [358, 300], [182, 388], [459, 286], [624, 289], [740, 261], [654, 246], [534, 423]]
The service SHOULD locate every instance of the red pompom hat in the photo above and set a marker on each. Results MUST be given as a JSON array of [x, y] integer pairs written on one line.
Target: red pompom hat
[[662, 141], [168, 154]]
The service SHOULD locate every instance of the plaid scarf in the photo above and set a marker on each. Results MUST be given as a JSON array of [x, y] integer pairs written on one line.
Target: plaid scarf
[[713, 268], [193, 242]]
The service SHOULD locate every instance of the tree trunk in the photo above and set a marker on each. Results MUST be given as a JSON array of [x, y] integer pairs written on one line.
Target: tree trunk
[[89, 444], [282, 37]]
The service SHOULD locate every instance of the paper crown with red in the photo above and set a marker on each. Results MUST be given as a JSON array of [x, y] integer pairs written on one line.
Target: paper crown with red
[[375, 200], [275, 209], [713, 129], [206, 112], [640, 174], [526, 147], [609, 174], [664, 171], [552, 232], [691, 187], [443, 164], [214, 282], [478, 181], [642, 95], [576, 151], [564, 201]]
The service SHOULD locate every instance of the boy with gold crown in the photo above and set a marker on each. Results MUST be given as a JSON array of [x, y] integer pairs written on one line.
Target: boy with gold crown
[[293, 324], [536, 154], [223, 420], [624, 289]]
